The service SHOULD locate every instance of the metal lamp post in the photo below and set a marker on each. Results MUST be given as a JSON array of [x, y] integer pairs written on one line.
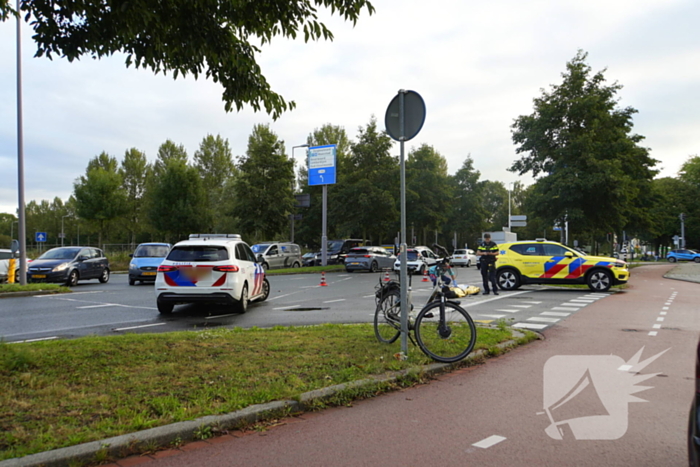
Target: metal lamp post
[[63, 235]]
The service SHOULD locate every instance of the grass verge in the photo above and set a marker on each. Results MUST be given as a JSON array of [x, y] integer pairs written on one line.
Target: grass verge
[[56, 288], [61, 393]]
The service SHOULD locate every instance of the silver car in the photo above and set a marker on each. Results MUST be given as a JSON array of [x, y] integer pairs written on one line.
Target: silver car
[[463, 258], [368, 258]]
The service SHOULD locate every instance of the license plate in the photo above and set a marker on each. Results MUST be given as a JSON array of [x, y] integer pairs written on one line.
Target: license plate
[[39, 276], [149, 273], [195, 274], [353, 264]]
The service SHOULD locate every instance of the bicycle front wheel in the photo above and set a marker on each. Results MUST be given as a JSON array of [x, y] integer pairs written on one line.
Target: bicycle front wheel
[[448, 340], [387, 321]]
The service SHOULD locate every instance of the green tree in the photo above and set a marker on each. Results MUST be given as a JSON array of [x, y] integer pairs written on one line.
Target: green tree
[[98, 194], [367, 201], [134, 173], [591, 168], [212, 37], [264, 194], [495, 204], [428, 193], [166, 152], [216, 168], [177, 205], [467, 214]]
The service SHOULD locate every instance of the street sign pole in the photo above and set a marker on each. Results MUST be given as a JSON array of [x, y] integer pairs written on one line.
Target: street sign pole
[[404, 119]]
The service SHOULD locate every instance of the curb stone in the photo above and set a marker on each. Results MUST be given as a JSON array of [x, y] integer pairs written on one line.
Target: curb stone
[[165, 436]]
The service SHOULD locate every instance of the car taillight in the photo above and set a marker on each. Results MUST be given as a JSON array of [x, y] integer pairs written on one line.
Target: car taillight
[[162, 268], [366, 256], [227, 268]]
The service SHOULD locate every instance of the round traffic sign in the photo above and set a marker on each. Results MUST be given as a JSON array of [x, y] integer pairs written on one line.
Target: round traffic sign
[[413, 115]]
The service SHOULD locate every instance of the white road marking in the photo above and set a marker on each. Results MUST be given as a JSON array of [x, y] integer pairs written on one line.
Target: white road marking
[[577, 305], [279, 296], [138, 327], [529, 326], [653, 333], [35, 340], [563, 308], [554, 313], [543, 320], [500, 297], [663, 313], [625, 367], [579, 300], [488, 442], [659, 319], [657, 326], [97, 306], [491, 316], [71, 294], [665, 308], [522, 306], [220, 316], [333, 301], [508, 311], [368, 296], [287, 307], [532, 303]]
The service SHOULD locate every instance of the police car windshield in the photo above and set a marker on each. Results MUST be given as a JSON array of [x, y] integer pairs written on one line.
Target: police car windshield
[[196, 253], [259, 248]]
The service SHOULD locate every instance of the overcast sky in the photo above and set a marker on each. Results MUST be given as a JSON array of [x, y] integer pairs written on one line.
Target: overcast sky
[[478, 66]]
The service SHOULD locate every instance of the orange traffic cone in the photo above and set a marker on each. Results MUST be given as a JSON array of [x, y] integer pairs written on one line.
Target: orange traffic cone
[[425, 276], [386, 276], [323, 279]]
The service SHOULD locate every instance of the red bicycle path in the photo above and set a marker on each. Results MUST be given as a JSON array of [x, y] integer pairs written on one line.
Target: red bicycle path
[[444, 421]]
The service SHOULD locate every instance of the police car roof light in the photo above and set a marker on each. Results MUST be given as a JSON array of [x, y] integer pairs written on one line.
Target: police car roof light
[[234, 236], [540, 239]]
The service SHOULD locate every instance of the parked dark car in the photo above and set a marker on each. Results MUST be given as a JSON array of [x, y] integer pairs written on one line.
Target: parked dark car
[[368, 258], [145, 260], [694, 421], [69, 265], [311, 259], [338, 249]]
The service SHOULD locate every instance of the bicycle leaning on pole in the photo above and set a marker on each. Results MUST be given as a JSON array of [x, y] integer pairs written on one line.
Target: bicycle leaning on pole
[[443, 330]]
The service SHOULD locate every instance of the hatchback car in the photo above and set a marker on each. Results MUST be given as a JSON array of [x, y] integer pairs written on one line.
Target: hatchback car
[[368, 258], [544, 262], [419, 259], [145, 260], [463, 258], [210, 268], [683, 255], [69, 265]]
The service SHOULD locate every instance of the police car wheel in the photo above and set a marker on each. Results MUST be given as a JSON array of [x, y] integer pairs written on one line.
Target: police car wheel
[[599, 281], [242, 304], [165, 308], [265, 290], [508, 279]]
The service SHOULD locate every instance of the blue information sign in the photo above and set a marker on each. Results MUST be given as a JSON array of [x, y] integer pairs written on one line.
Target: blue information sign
[[322, 165], [41, 236]]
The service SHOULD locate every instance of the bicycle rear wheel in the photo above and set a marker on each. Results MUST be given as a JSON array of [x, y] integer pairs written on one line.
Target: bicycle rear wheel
[[387, 321], [449, 341]]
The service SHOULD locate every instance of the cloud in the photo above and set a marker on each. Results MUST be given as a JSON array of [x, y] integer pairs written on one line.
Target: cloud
[[478, 65]]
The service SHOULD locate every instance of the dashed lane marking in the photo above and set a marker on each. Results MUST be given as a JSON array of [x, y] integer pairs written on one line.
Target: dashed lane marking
[[529, 326], [138, 327], [544, 320], [97, 306], [334, 301], [554, 313], [490, 441], [505, 310], [34, 340], [563, 308]]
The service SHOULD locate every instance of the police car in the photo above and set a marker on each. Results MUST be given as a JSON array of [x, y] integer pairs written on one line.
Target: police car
[[545, 262], [210, 268]]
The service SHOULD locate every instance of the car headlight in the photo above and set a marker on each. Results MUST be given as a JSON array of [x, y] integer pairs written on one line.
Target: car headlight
[[620, 265], [133, 267], [60, 267]]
